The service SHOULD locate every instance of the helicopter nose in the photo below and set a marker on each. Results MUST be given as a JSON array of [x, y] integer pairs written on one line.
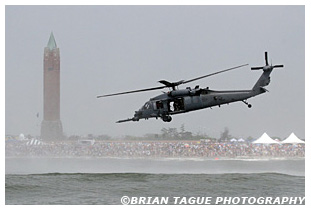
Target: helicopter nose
[[138, 113]]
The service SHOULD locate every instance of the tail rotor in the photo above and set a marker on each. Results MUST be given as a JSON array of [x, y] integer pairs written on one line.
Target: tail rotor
[[267, 66], [264, 79]]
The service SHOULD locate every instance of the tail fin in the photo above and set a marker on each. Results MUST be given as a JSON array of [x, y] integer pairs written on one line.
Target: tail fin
[[264, 79]]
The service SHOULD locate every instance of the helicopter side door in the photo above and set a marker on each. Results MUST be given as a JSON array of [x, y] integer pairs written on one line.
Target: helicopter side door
[[176, 105]]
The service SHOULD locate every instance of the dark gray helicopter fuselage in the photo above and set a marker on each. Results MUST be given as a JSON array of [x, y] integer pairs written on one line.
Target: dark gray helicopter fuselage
[[184, 103], [186, 100]]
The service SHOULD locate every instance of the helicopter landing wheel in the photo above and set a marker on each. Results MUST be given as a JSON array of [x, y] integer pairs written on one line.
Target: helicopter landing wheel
[[167, 118], [248, 105]]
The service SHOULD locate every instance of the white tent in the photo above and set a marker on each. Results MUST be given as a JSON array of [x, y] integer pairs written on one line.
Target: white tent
[[34, 142], [292, 139], [265, 139], [241, 140], [21, 137], [233, 140]]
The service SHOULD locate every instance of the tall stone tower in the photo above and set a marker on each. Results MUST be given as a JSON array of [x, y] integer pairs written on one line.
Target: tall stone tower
[[51, 126]]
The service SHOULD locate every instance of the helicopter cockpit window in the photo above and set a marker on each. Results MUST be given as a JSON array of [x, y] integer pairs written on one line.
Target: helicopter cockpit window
[[159, 105], [146, 106]]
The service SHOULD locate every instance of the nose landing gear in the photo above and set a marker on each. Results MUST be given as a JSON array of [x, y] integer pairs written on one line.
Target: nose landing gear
[[167, 118]]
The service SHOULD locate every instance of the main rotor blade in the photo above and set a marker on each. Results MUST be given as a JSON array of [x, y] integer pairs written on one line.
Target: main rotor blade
[[169, 84], [191, 80], [133, 91]]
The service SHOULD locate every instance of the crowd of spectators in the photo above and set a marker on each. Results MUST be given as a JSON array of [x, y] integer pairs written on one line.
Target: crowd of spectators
[[153, 149]]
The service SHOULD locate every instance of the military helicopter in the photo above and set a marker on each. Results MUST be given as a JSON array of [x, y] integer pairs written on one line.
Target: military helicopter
[[178, 101]]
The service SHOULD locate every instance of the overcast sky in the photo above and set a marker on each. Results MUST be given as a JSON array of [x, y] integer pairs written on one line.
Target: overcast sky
[[107, 49]]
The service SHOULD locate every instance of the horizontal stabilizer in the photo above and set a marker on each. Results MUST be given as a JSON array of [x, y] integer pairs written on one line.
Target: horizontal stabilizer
[[264, 89]]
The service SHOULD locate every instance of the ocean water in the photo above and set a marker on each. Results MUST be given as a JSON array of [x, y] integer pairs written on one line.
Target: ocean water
[[106, 180]]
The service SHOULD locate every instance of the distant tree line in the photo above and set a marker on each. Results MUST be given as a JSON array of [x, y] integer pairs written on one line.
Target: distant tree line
[[165, 134]]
